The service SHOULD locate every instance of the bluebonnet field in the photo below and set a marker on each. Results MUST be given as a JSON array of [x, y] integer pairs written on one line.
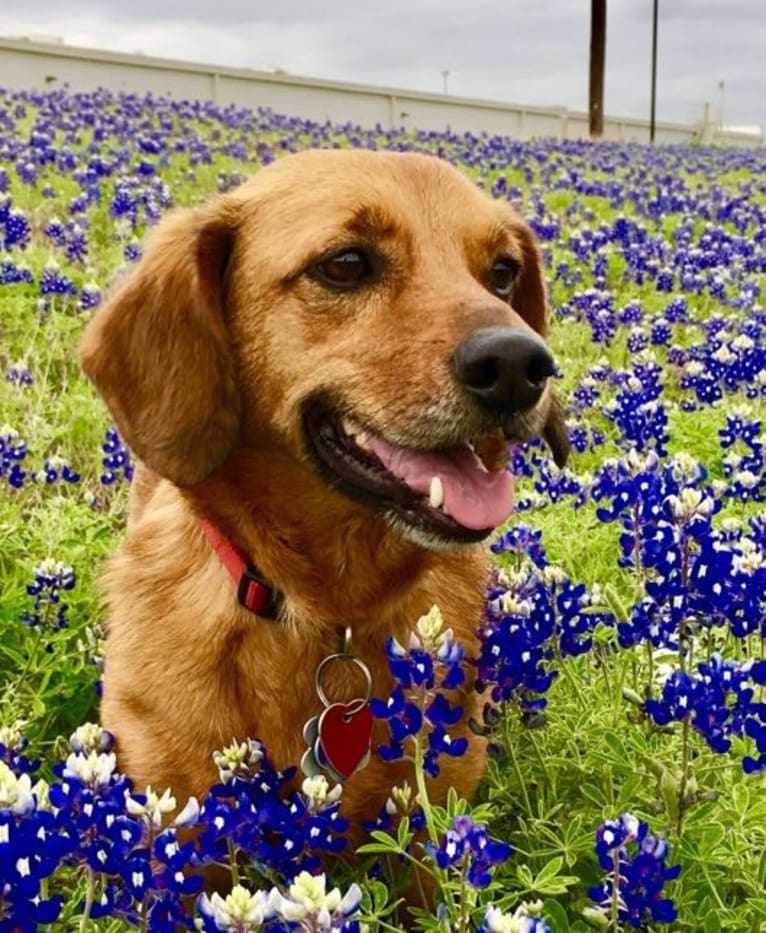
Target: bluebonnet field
[[623, 642]]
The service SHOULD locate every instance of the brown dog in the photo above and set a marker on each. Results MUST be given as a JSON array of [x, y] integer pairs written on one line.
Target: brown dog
[[293, 363]]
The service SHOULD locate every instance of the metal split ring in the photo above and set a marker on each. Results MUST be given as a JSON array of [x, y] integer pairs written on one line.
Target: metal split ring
[[343, 656]]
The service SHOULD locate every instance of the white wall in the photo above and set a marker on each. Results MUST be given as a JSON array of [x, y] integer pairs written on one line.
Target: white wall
[[32, 64]]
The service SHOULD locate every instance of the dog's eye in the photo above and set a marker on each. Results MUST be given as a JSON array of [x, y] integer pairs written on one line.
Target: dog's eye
[[350, 268], [502, 276]]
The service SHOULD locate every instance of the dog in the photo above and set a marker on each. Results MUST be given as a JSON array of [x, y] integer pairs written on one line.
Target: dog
[[321, 373]]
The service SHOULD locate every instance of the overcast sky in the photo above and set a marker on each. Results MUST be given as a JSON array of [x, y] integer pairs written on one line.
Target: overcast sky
[[514, 50]]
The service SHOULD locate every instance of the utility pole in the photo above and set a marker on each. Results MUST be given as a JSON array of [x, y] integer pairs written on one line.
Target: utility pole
[[653, 112], [597, 57], [445, 76]]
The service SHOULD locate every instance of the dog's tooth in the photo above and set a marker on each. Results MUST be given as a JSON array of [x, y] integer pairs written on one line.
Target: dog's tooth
[[348, 426], [436, 492], [363, 440]]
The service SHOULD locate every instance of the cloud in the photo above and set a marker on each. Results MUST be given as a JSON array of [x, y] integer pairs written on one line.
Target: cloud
[[497, 49]]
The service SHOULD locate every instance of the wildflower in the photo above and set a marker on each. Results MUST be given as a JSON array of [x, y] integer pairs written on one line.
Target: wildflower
[[239, 912], [317, 792], [51, 578], [90, 296], [637, 871], [149, 808], [468, 843], [13, 450], [309, 903], [415, 701], [17, 230], [54, 282], [56, 468], [12, 747], [91, 737], [240, 759], [520, 921], [16, 793], [116, 462], [19, 375]]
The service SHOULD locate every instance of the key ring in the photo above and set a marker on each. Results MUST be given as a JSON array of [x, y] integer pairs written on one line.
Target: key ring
[[342, 656], [339, 738]]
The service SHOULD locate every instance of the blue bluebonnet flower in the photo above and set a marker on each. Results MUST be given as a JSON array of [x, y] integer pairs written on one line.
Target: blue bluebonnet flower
[[51, 579], [718, 701], [17, 230], [13, 744], [252, 810], [534, 616], [54, 469], [19, 375], [14, 273], [54, 282], [433, 662], [116, 462], [637, 873], [401, 803], [469, 843], [90, 296], [13, 451], [636, 409], [133, 251], [32, 845]]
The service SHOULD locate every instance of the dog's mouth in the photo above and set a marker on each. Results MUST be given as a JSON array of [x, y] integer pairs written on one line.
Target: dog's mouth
[[448, 493]]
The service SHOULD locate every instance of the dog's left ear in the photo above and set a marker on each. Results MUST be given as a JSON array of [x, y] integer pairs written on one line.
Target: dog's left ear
[[159, 351], [529, 299]]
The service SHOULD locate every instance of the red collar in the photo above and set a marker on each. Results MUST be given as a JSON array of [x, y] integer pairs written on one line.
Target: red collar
[[253, 591]]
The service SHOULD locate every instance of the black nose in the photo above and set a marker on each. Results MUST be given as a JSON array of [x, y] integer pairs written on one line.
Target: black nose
[[504, 368]]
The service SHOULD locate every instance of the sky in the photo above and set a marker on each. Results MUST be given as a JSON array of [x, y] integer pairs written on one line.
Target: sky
[[510, 50]]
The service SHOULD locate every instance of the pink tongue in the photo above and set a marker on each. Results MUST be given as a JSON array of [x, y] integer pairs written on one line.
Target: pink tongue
[[473, 496]]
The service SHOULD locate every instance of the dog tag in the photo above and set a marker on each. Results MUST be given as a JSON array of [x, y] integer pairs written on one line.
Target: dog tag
[[345, 735], [340, 737]]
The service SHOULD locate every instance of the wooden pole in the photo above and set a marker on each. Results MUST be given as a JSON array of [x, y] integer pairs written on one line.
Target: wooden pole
[[653, 111], [597, 58]]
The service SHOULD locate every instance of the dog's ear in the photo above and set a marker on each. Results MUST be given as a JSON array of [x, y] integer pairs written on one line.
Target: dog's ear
[[529, 299], [556, 434], [159, 351]]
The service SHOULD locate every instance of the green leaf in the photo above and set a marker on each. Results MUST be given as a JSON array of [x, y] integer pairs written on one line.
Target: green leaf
[[379, 894], [525, 877], [712, 924], [616, 744], [549, 871], [375, 848], [594, 793], [712, 836], [740, 798], [556, 916], [404, 836]]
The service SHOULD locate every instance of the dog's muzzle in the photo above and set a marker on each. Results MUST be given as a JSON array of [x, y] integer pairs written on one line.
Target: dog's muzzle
[[504, 368]]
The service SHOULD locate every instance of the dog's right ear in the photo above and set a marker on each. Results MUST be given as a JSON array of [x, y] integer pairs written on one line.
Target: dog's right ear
[[159, 351]]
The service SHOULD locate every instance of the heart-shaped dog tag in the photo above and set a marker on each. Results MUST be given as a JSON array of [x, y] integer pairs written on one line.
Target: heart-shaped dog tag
[[345, 735]]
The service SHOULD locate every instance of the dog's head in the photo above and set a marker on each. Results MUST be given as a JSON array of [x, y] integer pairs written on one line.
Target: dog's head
[[371, 315]]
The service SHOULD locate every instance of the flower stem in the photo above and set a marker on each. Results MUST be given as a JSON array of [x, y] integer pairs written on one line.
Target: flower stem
[[233, 867], [517, 769], [615, 911], [463, 919], [420, 781], [684, 776], [90, 893]]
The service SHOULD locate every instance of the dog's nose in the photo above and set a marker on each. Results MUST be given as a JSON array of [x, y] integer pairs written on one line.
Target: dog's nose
[[504, 368]]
